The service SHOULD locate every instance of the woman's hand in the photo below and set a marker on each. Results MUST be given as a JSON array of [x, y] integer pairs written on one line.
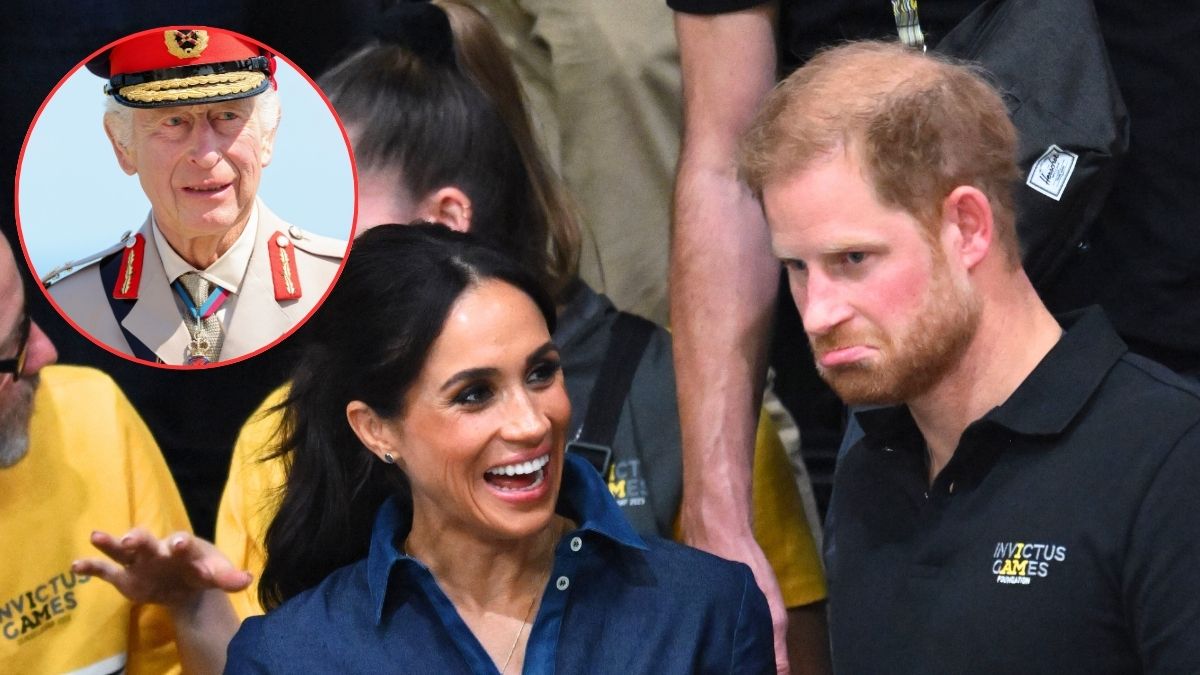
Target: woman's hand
[[186, 574], [171, 571]]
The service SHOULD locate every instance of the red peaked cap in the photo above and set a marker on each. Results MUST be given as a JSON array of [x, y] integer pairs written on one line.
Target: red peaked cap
[[168, 54]]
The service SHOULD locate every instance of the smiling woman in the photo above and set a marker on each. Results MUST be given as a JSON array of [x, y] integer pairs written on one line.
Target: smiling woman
[[481, 431], [431, 520]]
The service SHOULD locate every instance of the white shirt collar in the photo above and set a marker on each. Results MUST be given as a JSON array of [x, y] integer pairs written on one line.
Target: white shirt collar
[[228, 271]]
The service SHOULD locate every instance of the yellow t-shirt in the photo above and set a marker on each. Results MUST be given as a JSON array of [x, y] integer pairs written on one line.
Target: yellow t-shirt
[[92, 465], [780, 525], [251, 499]]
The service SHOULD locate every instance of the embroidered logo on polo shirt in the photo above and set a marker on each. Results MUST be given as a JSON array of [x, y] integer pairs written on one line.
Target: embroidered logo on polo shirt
[[1021, 562], [626, 484]]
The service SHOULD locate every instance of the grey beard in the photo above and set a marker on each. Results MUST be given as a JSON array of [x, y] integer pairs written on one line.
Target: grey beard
[[13, 446], [14, 424]]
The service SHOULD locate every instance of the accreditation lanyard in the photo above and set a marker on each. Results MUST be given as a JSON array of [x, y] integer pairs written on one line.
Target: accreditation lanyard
[[908, 23]]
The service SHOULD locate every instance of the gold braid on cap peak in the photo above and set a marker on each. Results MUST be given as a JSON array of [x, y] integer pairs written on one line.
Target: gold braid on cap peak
[[195, 87]]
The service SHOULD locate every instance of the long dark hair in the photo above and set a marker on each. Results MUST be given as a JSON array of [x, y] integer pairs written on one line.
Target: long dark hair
[[368, 343], [436, 97]]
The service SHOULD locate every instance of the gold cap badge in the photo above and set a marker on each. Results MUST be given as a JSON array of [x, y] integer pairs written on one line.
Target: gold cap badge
[[186, 44]]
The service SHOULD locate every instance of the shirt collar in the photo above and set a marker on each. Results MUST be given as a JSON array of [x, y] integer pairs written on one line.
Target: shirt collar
[[228, 271], [1051, 396], [583, 497]]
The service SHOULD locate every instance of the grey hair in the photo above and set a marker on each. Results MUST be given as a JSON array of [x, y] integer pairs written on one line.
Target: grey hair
[[14, 425], [119, 118]]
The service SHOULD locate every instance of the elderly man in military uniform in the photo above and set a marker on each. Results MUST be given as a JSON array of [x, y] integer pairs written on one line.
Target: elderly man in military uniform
[[212, 274]]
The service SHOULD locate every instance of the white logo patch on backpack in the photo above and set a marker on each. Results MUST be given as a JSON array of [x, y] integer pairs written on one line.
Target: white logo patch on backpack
[[1050, 173]]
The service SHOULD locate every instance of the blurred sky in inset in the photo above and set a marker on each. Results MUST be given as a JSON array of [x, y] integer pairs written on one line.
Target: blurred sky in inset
[[73, 199]]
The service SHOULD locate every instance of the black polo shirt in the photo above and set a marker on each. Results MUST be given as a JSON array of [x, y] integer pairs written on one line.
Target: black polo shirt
[[1063, 536]]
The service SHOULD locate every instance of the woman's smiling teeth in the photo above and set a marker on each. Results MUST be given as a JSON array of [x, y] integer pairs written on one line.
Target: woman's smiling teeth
[[521, 468], [519, 476]]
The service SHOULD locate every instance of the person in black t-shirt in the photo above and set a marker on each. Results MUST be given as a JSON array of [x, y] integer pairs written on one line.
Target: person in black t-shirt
[[1027, 500], [1140, 265]]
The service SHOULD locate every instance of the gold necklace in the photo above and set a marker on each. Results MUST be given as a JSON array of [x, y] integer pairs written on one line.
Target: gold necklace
[[560, 527], [521, 629]]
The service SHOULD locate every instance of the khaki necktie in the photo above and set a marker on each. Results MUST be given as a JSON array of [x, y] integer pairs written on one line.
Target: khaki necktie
[[201, 319]]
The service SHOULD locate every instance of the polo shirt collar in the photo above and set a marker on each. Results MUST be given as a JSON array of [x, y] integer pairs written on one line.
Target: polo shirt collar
[[1058, 388], [583, 497], [1051, 396], [227, 271]]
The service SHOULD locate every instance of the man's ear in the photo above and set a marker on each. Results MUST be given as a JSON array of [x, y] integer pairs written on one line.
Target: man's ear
[[374, 431], [449, 206], [968, 212], [266, 148], [124, 155]]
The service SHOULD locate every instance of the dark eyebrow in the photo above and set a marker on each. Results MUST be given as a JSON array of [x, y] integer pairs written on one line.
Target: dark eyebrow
[[541, 352], [468, 375], [484, 373]]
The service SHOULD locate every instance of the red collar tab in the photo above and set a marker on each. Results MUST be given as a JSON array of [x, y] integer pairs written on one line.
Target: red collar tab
[[129, 277], [284, 274]]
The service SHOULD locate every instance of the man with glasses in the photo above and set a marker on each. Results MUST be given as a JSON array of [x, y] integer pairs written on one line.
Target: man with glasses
[[14, 436], [74, 458]]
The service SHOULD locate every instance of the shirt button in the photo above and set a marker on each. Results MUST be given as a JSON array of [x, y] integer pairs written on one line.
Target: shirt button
[[562, 583], [576, 544], [951, 488], [887, 448]]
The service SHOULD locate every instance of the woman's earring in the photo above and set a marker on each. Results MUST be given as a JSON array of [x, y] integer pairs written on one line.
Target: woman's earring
[[387, 457]]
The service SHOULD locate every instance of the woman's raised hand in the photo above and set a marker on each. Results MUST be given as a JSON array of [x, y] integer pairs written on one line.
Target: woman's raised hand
[[168, 571]]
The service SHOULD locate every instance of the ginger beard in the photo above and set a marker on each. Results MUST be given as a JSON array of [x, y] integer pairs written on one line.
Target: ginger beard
[[912, 361]]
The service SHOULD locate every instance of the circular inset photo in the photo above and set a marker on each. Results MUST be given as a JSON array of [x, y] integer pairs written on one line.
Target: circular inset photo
[[187, 198]]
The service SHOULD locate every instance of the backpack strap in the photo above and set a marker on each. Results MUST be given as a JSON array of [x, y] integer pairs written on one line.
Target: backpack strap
[[630, 335]]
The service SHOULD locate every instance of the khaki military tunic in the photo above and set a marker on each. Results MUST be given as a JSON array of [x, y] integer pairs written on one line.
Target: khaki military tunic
[[252, 318]]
